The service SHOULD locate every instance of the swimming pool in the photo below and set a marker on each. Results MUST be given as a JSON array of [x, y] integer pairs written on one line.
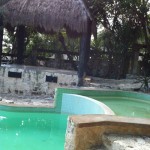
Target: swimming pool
[[23, 130]]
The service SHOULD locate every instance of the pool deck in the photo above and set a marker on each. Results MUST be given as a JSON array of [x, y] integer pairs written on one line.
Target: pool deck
[[41, 101]]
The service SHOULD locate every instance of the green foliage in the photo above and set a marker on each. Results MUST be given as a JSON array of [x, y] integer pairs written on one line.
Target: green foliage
[[7, 41], [144, 80], [121, 18], [42, 42], [35, 40], [49, 42], [126, 23]]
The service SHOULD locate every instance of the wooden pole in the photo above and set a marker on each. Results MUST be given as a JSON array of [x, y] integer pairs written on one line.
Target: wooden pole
[[1, 37], [84, 53], [20, 36]]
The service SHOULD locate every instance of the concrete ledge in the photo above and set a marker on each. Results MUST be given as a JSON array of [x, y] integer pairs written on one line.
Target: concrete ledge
[[87, 130], [94, 120], [33, 80]]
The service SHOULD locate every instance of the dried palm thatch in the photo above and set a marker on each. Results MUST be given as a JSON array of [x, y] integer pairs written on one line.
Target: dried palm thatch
[[2, 2], [48, 15]]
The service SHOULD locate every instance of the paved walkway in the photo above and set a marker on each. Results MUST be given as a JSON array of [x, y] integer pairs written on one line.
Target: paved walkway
[[48, 100], [26, 101]]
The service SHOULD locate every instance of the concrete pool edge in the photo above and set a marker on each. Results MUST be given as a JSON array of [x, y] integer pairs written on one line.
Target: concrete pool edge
[[85, 131], [87, 91]]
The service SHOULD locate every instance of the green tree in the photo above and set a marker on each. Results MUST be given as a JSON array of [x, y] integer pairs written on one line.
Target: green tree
[[126, 21]]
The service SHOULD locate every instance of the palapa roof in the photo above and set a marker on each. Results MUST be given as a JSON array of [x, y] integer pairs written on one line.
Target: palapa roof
[[2, 2], [48, 15]]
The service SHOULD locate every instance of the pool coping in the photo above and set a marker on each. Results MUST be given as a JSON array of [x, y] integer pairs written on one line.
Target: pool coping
[[102, 89], [98, 119], [86, 131]]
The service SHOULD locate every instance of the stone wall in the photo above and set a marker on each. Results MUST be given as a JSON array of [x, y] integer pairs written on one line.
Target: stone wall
[[125, 142], [34, 80]]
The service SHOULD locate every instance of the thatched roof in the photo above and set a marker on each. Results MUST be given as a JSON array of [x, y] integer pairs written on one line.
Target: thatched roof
[[2, 2], [48, 15]]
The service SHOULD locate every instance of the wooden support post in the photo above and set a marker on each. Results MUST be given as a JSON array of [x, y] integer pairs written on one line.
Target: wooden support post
[[1, 37], [20, 36], [84, 53]]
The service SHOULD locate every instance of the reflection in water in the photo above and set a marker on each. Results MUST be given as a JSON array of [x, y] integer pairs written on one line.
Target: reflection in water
[[133, 114], [125, 106], [40, 130], [2, 117]]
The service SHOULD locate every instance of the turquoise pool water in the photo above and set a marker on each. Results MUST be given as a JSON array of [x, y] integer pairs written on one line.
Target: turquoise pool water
[[35, 129], [125, 106], [32, 130], [122, 103]]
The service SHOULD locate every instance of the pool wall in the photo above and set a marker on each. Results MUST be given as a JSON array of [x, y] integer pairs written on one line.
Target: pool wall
[[77, 104]]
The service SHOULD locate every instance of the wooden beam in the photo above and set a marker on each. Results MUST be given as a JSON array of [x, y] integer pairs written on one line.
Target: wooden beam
[[20, 36], [1, 37], [57, 52]]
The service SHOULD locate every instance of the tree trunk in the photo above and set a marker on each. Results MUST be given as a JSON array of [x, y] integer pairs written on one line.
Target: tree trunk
[[84, 53], [20, 37], [58, 61], [125, 66], [135, 62], [1, 37]]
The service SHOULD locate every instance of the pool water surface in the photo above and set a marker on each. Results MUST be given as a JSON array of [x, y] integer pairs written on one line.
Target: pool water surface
[[125, 106], [32, 130]]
